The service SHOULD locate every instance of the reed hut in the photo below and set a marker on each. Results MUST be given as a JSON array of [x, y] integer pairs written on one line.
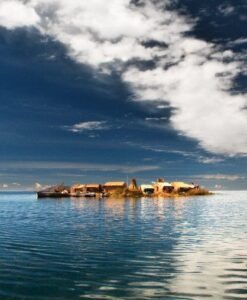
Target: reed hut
[[147, 189], [93, 188], [78, 188], [117, 187], [180, 186], [163, 187]]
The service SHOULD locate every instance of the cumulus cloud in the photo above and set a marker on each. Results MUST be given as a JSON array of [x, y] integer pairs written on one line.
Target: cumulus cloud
[[15, 14], [87, 126], [192, 76]]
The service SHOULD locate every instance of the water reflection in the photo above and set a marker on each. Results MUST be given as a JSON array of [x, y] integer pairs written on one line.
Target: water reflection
[[211, 252], [190, 248]]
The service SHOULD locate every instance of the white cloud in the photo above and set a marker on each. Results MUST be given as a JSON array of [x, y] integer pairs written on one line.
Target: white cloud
[[209, 160], [13, 185], [163, 106], [190, 75], [16, 14], [239, 41], [191, 155], [123, 168], [218, 186], [204, 109], [155, 119], [87, 126], [38, 186], [221, 177], [226, 10]]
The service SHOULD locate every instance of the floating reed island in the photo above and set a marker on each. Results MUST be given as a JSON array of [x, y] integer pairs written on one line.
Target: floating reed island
[[120, 189]]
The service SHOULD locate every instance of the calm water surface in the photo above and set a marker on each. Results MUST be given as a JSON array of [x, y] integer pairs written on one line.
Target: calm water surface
[[193, 248]]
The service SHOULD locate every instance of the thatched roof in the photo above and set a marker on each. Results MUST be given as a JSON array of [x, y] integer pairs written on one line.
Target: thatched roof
[[146, 186], [78, 186], [93, 185], [183, 185], [163, 184], [55, 188], [115, 184]]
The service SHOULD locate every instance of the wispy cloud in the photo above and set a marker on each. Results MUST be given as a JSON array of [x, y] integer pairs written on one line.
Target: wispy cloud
[[239, 41], [226, 9], [164, 150], [123, 168], [15, 184], [196, 155], [210, 160], [4, 186], [88, 126], [38, 186], [194, 77], [156, 119], [226, 177], [163, 106], [10, 186]]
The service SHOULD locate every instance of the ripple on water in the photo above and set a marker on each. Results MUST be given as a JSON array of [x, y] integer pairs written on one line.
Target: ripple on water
[[192, 248]]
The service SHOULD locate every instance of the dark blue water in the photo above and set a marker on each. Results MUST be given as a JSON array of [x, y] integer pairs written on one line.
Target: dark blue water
[[193, 248]]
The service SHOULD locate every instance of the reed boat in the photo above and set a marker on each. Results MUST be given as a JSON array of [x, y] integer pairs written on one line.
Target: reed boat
[[58, 191]]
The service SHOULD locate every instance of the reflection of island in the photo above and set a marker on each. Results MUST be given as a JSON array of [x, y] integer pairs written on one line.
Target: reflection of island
[[128, 246], [120, 189]]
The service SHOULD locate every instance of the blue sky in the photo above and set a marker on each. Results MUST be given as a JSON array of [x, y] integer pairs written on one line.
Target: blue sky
[[92, 92]]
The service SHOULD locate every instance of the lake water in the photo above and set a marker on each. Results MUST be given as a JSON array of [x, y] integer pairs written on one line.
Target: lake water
[[192, 248]]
